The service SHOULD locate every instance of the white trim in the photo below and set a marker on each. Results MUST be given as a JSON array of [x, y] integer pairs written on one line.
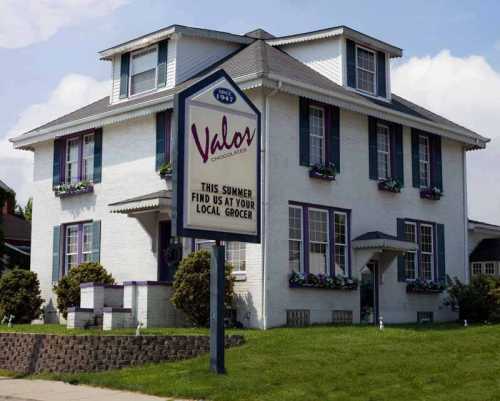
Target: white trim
[[345, 244], [432, 253], [327, 242], [374, 72], [385, 245], [387, 152], [414, 252], [323, 137], [145, 51], [156, 204]]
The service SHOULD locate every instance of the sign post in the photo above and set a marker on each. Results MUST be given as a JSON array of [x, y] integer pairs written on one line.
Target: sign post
[[216, 179]]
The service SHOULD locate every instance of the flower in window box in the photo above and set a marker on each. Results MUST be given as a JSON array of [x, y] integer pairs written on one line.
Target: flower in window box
[[390, 184], [324, 172], [166, 170], [311, 280], [433, 193], [64, 190], [424, 286]]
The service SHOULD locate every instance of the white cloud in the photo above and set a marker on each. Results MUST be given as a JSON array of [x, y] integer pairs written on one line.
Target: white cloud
[[467, 91], [31, 21], [72, 92]]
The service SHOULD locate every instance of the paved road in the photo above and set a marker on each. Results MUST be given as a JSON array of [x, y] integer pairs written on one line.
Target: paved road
[[42, 390]]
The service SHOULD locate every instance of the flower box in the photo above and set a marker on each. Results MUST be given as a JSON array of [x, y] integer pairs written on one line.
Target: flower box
[[166, 170], [390, 185], [323, 172], [431, 193], [67, 190], [321, 281], [424, 287]]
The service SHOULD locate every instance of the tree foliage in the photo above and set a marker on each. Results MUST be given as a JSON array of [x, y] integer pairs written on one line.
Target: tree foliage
[[68, 288], [20, 296], [192, 288]]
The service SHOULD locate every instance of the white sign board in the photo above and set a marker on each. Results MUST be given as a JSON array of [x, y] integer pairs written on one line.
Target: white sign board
[[217, 162]]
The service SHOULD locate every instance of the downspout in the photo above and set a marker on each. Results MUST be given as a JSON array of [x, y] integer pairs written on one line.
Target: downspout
[[265, 220], [466, 219]]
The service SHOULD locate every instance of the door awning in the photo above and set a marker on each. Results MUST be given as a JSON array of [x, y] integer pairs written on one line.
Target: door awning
[[156, 201], [382, 241]]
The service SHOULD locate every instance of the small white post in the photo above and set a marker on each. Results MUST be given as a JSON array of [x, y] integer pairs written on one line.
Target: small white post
[[381, 323], [465, 323], [138, 330], [11, 318]]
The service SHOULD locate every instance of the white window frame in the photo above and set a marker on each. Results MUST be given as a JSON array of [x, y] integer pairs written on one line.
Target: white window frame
[[426, 162], [198, 246], [301, 241], [327, 242], [384, 152], [144, 50], [76, 163], [241, 261], [431, 253], [474, 265], [345, 245], [364, 69], [66, 253], [489, 264], [414, 253], [82, 245], [323, 134], [84, 159]]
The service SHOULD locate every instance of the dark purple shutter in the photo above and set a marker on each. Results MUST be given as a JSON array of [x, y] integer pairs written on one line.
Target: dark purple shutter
[[398, 154], [98, 155], [436, 162], [56, 253], [351, 63], [381, 85], [401, 259], [372, 148], [441, 257], [58, 165], [124, 74], [415, 158], [161, 118], [304, 131], [333, 142], [162, 63]]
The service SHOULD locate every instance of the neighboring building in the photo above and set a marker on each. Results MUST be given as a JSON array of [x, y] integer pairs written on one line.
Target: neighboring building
[[16, 234], [484, 248], [325, 99]]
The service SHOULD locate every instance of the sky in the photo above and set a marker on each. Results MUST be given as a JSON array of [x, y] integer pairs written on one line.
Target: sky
[[451, 61]]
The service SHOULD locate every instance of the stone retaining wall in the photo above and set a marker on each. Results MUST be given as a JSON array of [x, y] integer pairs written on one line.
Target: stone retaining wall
[[31, 353]]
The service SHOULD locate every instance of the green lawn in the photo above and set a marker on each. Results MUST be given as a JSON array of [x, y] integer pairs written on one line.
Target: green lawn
[[443, 362]]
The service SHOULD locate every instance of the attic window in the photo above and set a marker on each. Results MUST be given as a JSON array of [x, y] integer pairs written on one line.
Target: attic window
[[143, 70], [365, 70]]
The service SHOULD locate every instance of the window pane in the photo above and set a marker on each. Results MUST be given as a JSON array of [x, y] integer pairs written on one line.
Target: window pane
[[410, 259], [366, 81], [88, 157], [204, 245], [340, 244], [426, 238], [424, 163], [476, 268], [317, 135], [295, 238], [87, 238], [383, 152], [489, 269], [318, 241], [144, 61], [71, 247], [236, 255], [340, 228], [426, 266], [72, 159], [366, 59]]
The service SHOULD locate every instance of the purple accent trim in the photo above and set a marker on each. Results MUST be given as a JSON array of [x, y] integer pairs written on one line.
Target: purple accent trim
[[305, 218], [152, 283], [79, 136], [78, 309], [109, 309]]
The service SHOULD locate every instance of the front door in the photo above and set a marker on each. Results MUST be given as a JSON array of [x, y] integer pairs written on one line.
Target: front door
[[369, 293], [169, 253]]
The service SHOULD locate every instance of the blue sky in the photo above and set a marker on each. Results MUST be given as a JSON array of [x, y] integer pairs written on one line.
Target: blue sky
[[43, 41]]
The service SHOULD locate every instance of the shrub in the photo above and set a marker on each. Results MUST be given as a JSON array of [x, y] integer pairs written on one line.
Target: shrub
[[478, 301], [20, 296], [192, 288], [68, 288]]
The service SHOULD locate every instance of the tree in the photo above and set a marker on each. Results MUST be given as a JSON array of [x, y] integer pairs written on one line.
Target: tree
[[20, 296], [28, 210], [68, 288], [192, 287]]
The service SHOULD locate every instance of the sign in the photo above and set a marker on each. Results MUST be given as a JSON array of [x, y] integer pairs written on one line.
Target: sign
[[217, 162]]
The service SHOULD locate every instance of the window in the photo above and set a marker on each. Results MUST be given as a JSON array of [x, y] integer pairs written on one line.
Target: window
[[143, 70], [77, 244], [340, 244], [365, 70], [476, 269], [383, 151], [410, 234], [317, 135], [318, 241], [79, 159], [424, 161], [236, 255], [426, 252], [295, 238], [489, 269]]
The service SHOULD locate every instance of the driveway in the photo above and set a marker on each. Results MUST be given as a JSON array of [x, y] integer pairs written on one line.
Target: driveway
[[43, 390]]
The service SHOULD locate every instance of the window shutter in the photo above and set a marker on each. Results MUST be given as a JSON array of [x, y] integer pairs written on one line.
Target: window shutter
[[124, 74], [98, 155], [415, 158], [401, 258], [96, 241], [381, 85], [436, 160], [56, 254], [372, 147], [333, 142], [160, 138], [351, 63], [162, 63], [58, 162], [441, 258], [399, 172], [304, 131]]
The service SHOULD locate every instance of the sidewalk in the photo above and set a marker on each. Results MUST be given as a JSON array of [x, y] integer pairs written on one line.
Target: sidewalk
[[43, 390]]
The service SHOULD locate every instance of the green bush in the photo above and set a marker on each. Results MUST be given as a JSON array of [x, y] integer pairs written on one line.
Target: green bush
[[192, 288], [20, 296], [68, 288], [478, 301]]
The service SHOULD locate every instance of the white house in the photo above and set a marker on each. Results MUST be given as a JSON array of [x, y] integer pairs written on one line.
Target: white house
[[358, 183]]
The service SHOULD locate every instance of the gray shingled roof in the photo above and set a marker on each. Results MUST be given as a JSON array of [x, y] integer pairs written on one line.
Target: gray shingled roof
[[259, 58], [164, 193], [375, 235]]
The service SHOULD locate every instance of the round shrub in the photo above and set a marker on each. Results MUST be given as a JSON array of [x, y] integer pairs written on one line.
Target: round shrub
[[20, 296], [68, 288], [192, 288]]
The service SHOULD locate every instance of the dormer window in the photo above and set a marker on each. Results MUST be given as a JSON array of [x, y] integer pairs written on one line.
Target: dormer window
[[143, 70], [365, 70]]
